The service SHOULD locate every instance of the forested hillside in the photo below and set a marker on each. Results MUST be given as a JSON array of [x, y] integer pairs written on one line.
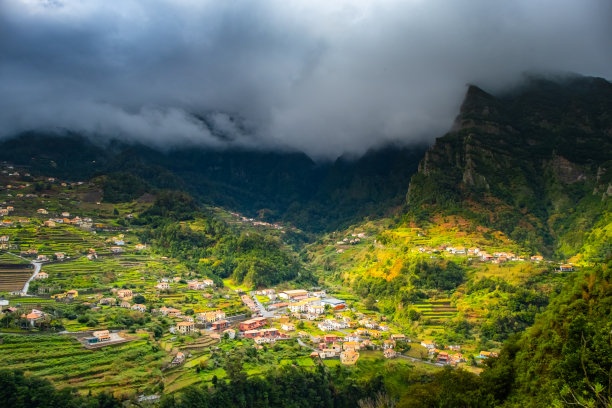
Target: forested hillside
[[176, 227], [286, 186]]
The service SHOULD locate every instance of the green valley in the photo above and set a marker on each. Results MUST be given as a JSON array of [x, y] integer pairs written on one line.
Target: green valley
[[478, 278]]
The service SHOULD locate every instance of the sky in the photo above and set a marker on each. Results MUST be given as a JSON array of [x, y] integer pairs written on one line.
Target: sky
[[327, 78]]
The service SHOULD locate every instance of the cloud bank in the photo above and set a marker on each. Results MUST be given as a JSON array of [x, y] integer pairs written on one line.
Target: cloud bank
[[323, 77]]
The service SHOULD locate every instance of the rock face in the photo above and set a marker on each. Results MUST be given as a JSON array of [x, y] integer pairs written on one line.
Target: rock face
[[566, 171], [533, 154]]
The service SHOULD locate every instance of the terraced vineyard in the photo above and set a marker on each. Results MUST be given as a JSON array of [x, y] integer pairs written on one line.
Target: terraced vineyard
[[14, 276], [124, 369]]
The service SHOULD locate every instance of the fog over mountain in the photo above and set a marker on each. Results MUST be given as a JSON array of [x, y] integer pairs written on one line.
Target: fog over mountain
[[325, 78]]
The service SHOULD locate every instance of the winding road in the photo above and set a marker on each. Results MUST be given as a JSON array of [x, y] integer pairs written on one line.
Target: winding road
[[37, 266]]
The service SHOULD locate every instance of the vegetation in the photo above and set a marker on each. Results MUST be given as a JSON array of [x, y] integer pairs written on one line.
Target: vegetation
[[20, 391], [522, 175], [204, 242]]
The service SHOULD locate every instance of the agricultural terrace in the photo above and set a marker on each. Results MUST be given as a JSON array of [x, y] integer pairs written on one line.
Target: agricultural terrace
[[125, 369], [69, 239], [13, 276]]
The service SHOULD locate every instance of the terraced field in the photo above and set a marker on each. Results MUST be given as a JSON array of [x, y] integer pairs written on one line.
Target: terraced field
[[63, 238], [8, 258], [82, 273], [124, 369], [14, 276], [436, 312], [30, 302]]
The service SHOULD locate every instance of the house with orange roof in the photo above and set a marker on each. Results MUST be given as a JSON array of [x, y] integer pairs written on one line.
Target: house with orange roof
[[125, 293], [139, 307], [220, 325], [102, 335], [327, 353], [34, 316], [350, 345], [185, 327], [178, 359], [456, 358], [443, 357], [72, 293], [375, 333], [388, 344], [253, 323], [349, 357], [169, 311], [362, 332]]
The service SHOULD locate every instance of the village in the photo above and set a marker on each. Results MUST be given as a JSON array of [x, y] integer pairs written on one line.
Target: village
[[94, 271]]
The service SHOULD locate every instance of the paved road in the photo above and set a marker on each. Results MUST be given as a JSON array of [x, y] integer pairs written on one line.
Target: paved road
[[37, 266], [262, 310], [418, 360], [301, 343]]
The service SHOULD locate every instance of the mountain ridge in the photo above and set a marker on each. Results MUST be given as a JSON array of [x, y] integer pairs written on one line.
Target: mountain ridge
[[269, 185], [523, 160]]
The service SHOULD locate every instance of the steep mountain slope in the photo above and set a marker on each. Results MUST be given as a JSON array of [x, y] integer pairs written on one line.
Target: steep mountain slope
[[535, 163], [270, 185]]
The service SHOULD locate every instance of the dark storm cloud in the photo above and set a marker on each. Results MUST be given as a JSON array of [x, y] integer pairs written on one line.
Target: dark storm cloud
[[324, 77]]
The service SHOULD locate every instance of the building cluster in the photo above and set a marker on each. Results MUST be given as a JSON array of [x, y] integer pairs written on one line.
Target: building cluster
[[252, 221], [496, 257], [200, 285]]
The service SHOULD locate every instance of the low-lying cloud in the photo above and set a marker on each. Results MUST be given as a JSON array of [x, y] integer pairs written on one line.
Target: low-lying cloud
[[324, 77]]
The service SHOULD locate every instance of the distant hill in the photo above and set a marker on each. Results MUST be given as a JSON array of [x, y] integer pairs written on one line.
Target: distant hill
[[535, 163], [284, 186]]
